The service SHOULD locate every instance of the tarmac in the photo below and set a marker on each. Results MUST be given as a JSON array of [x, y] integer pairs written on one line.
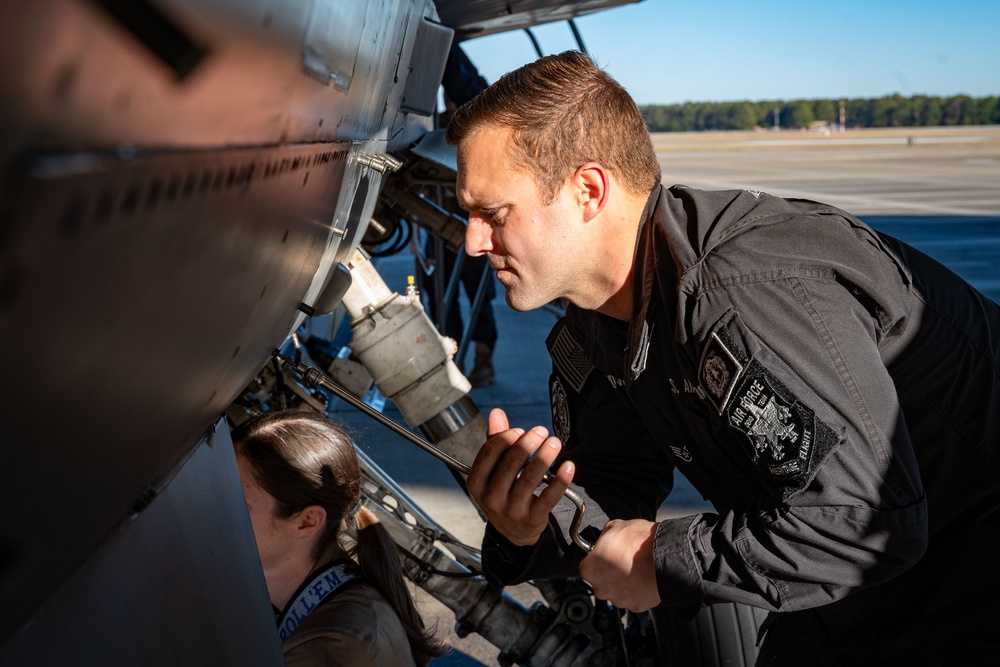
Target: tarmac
[[938, 189]]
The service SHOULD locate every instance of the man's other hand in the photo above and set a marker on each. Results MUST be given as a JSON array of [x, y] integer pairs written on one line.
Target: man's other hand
[[620, 568], [504, 479]]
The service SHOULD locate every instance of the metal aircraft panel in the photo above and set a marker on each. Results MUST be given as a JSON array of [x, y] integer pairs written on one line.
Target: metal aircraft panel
[[476, 18], [177, 178], [175, 586], [139, 295]]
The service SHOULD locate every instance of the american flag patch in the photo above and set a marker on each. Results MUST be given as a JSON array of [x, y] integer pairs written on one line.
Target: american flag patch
[[570, 359]]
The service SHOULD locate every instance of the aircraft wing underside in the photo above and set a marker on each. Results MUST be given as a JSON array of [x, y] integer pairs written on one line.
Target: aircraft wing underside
[[475, 18]]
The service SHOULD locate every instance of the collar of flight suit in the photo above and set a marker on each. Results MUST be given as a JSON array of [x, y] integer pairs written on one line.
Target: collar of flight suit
[[643, 276]]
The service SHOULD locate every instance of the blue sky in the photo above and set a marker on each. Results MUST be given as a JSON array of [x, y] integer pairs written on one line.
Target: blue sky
[[670, 51]]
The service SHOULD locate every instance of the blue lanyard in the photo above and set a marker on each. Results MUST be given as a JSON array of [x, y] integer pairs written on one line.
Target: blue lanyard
[[315, 591]]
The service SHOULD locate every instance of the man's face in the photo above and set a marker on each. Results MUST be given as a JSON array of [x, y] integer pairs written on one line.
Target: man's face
[[530, 244]]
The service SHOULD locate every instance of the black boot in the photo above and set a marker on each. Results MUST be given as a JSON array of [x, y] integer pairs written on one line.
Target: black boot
[[483, 372]]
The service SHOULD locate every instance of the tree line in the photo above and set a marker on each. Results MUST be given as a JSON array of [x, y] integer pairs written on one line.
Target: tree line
[[889, 111]]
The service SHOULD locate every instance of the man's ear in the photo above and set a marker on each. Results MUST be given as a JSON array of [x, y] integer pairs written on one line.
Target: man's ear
[[592, 181], [310, 521]]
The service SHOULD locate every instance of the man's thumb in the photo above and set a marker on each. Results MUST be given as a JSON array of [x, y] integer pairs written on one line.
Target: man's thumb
[[497, 422]]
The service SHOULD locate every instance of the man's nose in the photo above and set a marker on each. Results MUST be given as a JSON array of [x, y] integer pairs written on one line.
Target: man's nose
[[478, 236]]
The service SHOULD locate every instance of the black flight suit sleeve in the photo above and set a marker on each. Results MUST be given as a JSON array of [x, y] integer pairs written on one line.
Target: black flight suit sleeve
[[803, 411]]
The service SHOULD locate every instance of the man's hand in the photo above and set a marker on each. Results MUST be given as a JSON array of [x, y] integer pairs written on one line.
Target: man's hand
[[620, 568], [503, 481]]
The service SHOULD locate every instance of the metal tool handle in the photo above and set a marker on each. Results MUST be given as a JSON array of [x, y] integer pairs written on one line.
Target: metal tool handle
[[314, 376]]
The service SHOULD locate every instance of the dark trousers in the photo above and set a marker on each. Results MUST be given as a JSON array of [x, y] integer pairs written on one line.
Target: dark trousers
[[803, 639]]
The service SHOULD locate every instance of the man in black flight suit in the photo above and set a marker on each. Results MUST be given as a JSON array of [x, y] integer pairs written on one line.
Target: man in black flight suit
[[833, 392]]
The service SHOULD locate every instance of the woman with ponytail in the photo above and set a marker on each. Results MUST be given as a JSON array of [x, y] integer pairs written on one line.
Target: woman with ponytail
[[334, 604]]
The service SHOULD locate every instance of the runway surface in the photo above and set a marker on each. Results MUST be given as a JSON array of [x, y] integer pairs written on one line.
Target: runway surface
[[902, 171], [937, 189]]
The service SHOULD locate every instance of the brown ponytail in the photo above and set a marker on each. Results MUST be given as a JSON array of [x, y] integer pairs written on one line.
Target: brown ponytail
[[302, 459], [376, 554]]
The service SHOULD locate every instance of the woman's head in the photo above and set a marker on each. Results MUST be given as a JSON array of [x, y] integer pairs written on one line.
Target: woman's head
[[302, 461], [302, 479]]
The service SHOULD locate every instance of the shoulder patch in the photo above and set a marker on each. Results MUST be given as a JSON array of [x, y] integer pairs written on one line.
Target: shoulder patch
[[780, 428], [770, 411], [786, 438], [718, 372]]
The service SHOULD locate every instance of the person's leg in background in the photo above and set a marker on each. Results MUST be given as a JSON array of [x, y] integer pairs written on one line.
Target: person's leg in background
[[484, 328]]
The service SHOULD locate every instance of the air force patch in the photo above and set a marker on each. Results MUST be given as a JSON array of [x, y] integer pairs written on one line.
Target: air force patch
[[780, 429], [783, 436]]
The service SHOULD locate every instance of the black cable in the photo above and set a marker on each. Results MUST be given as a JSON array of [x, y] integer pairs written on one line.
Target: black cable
[[393, 243], [426, 567]]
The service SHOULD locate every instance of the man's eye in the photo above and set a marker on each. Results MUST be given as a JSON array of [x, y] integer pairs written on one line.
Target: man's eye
[[493, 214]]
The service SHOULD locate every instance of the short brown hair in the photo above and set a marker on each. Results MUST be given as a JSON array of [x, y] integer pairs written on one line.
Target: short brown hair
[[564, 111]]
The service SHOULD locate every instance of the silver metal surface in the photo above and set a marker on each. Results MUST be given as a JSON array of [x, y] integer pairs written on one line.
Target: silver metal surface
[[171, 191], [313, 376], [140, 294], [474, 18], [450, 420], [433, 147]]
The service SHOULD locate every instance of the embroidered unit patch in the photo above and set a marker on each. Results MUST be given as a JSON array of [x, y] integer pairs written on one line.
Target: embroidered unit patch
[[781, 429], [560, 410], [772, 418], [719, 372], [682, 453]]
